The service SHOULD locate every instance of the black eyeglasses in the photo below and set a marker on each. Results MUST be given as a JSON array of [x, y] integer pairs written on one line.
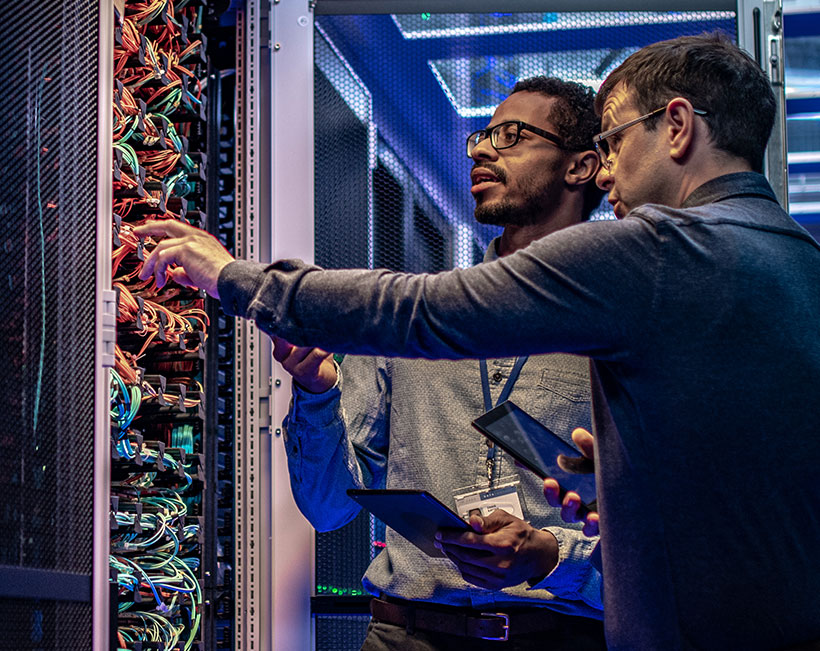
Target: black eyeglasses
[[506, 135], [601, 146]]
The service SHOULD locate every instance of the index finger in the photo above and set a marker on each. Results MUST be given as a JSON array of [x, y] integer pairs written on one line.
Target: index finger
[[170, 227], [281, 348], [585, 442]]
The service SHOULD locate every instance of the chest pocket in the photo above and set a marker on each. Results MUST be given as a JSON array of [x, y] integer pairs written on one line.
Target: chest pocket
[[560, 400], [570, 385]]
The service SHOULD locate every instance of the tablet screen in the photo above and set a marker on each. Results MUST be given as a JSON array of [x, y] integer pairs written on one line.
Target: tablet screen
[[534, 445]]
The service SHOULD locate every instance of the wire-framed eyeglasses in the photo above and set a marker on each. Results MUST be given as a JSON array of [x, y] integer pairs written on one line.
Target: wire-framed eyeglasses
[[600, 141], [506, 135]]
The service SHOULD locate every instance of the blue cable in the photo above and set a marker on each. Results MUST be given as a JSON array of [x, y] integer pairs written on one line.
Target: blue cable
[[39, 389]]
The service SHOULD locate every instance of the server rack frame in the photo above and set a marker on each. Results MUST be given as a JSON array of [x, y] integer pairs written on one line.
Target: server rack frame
[[106, 334], [291, 179], [274, 207], [247, 467]]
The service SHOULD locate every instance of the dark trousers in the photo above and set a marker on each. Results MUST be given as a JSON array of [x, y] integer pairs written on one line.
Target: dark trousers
[[389, 637]]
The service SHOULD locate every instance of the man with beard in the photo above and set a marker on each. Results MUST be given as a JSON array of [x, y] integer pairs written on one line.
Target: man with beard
[[400, 423]]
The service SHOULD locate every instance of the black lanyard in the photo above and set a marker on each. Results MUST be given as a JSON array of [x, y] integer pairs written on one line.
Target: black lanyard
[[488, 401]]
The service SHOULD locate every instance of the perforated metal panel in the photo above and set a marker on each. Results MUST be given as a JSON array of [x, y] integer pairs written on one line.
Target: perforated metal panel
[[343, 179], [338, 573], [48, 102], [341, 632], [48, 63], [35, 625]]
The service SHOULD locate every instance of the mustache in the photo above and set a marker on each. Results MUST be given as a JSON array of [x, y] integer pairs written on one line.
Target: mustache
[[490, 167]]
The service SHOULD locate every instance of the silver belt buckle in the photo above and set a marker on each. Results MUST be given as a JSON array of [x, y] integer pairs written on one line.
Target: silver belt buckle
[[505, 626]]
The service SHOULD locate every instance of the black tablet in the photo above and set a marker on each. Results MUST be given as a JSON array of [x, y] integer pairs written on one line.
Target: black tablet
[[535, 446], [415, 514]]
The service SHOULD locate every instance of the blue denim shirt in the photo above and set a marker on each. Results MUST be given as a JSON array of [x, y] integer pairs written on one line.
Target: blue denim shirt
[[702, 323]]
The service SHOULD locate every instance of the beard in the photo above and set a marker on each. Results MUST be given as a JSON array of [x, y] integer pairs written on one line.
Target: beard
[[542, 192], [505, 213]]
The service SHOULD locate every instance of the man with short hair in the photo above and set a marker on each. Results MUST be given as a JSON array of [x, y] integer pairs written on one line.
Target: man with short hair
[[374, 422], [699, 310]]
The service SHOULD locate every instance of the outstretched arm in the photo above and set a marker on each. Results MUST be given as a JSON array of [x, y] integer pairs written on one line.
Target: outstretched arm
[[554, 287]]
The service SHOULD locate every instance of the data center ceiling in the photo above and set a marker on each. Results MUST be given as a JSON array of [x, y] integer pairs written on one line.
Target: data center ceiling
[[434, 78]]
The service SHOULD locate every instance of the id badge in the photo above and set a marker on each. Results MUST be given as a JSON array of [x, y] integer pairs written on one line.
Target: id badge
[[485, 501]]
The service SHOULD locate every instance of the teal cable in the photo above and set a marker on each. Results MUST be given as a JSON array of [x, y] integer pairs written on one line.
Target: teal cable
[[39, 389]]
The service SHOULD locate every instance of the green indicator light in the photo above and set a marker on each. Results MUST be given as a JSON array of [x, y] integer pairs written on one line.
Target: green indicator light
[[425, 16], [324, 589]]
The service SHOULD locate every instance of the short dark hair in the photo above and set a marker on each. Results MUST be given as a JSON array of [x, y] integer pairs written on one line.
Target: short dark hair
[[715, 75], [575, 120]]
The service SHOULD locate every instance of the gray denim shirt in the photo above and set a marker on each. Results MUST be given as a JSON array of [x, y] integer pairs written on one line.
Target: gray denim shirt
[[404, 423]]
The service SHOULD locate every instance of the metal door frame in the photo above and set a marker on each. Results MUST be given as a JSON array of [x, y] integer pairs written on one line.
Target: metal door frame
[[105, 329]]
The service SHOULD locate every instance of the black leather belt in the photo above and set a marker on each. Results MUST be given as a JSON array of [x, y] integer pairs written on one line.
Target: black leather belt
[[437, 618]]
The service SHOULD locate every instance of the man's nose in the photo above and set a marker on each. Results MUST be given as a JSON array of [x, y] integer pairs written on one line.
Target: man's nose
[[604, 179], [484, 150]]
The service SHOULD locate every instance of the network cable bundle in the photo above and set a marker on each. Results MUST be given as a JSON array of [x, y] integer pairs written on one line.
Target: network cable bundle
[[157, 394]]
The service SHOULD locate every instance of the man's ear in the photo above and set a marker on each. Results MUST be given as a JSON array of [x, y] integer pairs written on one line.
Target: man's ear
[[679, 123], [582, 168]]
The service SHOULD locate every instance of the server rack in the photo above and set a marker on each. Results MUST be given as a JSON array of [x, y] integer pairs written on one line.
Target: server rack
[[801, 29], [61, 337]]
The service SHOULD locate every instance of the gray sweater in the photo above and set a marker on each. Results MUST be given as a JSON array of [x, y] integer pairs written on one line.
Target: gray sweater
[[702, 323]]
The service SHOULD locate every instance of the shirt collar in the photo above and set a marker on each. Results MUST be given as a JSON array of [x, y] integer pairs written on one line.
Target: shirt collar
[[730, 185], [492, 251]]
